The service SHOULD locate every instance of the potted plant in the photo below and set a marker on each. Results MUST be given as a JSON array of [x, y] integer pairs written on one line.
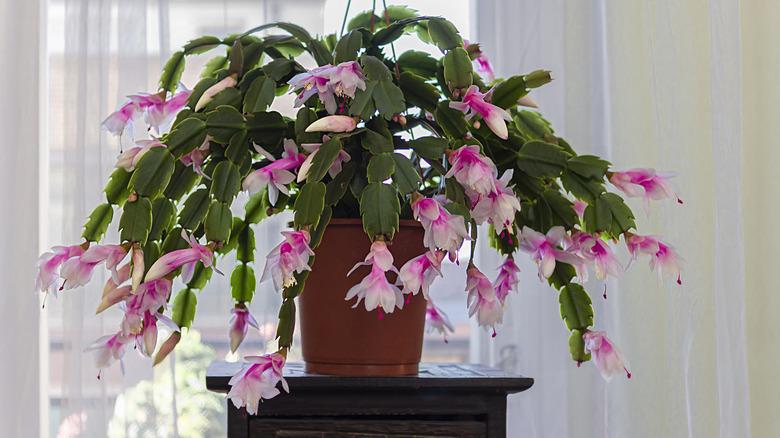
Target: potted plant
[[390, 164]]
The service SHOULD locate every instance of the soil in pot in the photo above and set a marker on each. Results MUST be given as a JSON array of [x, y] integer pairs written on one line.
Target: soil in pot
[[341, 340]]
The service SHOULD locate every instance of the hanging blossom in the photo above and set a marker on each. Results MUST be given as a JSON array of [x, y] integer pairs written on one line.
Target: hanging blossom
[[277, 174], [497, 207], [472, 170], [436, 320], [374, 289], [327, 82], [114, 290], [182, 258], [507, 279], [579, 207], [312, 149], [418, 273], [197, 156], [593, 249], [157, 110], [544, 249], [77, 271], [257, 381], [148, 298], [607, 357], [146, 339], [663, 257], [49, 264], [443, 230], [482, 299], [475, 103], [288, 258], [108, 349], [484, 67], [130, 157], [239, 326], [644, 183]]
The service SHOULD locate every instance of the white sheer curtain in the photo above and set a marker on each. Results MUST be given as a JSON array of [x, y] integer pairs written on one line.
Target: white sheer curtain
[[680, 86]]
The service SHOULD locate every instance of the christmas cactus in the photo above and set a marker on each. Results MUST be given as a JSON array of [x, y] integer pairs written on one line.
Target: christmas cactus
[[378, 136]]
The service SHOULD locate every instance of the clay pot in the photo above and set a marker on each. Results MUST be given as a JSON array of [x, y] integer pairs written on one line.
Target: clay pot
[[337, 339]]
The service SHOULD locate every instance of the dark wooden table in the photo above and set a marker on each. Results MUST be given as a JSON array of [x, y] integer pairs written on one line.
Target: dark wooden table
[[447, 400]]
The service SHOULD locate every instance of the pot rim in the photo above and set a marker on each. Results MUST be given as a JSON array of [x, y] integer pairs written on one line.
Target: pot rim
[[357, 221]]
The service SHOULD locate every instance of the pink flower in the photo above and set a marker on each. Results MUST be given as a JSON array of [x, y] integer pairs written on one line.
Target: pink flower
[[544, 249], [315, 81], [276, 174], [333, 124], [184, 258], [474, 103], [482, 299], [593, 249], [49, 265], [499, 206], [130, 157], [346, 78], [662, 256], [239, 326], [436, 320], [644, 183], [312, 149], [208, 95], [256, 381], [374, 288], [419, 272], [507, 279], [579, 208], [116, 122], [442, 229], [483, 63], [606, 356], [197, 156], [162, 111], [77, 271], [473, 170], [108, 349], [149, 297], [288, 258]]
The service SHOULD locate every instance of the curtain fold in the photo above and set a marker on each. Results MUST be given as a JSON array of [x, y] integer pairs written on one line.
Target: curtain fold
[[653, 84], [20, 48]]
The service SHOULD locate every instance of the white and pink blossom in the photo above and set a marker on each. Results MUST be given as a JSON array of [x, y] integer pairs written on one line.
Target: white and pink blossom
[[161, 112], [443, 230], [644, 183], [288, 258], [197, 156], [130, 157], [239, 326], [117, 122], [108, 349], [507, 279], [663, 256], [606, 356], [150, 296], [375, 290], [593, 249], [346, 78], [473, 170], [482, 299], [544, 249], [418, 273], [257, 381], [49, 264], [436, 320], [314, 81], [484, 67], [77, 271], [475, 103], [499, 206], [181, 258], [277, 174]]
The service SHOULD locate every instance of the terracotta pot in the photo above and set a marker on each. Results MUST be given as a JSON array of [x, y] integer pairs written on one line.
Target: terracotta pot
[[337, 339]]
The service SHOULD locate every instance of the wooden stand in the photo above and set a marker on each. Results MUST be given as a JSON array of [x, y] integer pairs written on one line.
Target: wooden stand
[[441, 401]]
